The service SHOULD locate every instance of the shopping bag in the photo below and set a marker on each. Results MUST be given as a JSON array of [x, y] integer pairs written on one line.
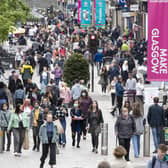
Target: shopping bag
[[1, 140], [26, 141], [59, 126]]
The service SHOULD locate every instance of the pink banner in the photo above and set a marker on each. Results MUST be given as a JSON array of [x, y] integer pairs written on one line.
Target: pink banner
[[79, 11], [157, 40]]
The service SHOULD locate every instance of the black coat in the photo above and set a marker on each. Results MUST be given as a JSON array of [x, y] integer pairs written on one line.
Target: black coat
[[156, 116], [12, 85], [42, 63], [76, 125], [94, 121]]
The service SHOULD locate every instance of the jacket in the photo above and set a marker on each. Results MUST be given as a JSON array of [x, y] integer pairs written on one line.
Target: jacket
[[40, 120], [120, 163], [76, 125], [43, 134], [98, 57], [14, 121], [125, 128], [119, 89], [139, 125], [19, 94], [94, 121], [4, 118], [76, 91], [114, 71], [41, 78], [3, 94], [158, 163], [57, 73], [26, 71], [155, 116], [65, 94]]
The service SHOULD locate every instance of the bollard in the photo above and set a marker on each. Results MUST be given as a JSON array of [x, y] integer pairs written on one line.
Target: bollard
[[104, 139], [1, 141], [146, 147]]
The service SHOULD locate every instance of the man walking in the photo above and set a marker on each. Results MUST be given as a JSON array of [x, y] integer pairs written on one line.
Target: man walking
[[156, 121]]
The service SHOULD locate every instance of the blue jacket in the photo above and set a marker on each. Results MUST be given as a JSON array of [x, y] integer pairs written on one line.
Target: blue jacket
[[114, 71], [119, 89], [158, 163], [98, 57], [43, 134]]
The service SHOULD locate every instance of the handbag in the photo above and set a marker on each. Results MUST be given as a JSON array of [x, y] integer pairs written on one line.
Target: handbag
[[26, 141], [59, 126]]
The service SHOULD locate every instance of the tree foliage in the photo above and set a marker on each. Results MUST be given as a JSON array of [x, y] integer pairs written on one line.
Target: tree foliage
[[76, 67], [11, 11]]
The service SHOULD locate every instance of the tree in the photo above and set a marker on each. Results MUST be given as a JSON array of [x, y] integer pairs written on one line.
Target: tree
[[76, 67], [11, 11]]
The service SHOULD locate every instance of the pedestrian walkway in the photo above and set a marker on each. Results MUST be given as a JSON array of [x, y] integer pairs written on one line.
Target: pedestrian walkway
[[69, 156]]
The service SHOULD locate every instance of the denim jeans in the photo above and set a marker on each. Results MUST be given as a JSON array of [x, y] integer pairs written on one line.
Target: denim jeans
[[156, 132], [19, 135], [136, 145], [57, 80], [63, 136]]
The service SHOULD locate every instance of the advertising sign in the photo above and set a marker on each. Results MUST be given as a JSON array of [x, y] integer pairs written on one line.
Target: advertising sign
[[100, 13], [157, 40], [85, 13]]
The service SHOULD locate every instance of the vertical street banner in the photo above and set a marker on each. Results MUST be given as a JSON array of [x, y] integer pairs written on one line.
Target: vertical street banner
[[157, 40], [85, 13], [79, 11], [100, 13]]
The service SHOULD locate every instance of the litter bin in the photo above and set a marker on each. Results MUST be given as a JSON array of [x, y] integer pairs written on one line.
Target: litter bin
[[146, 147], [1, 141], [104, 139]]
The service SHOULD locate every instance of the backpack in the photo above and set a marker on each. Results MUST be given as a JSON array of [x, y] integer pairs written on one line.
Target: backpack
[[154, 161], [139, 125]]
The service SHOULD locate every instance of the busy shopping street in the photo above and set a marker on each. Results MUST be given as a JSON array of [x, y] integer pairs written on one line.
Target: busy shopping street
[[83, 84]]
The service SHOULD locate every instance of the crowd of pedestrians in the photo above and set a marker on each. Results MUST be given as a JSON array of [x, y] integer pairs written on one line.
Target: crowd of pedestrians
[[44, 106]]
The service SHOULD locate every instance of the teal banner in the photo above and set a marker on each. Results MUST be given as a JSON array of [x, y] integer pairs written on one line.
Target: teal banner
[[85, 13], [100, 14]]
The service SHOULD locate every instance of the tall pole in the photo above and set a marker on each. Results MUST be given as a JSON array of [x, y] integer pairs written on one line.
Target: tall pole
[[93, 15]]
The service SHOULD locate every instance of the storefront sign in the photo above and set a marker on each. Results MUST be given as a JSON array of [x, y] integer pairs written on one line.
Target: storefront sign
[[157, 40], [85, 13], [100, 13], [129, 14], [134, 7]]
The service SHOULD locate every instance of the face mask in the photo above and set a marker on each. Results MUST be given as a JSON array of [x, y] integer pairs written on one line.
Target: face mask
[[36, 107], [75, 105], [83, 94]]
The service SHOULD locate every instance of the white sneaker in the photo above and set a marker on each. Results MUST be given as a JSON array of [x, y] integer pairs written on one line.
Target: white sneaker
[[19, 154], [15, 153]]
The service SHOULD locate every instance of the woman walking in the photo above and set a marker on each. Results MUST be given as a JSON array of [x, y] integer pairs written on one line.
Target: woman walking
[[19, 95], [85, 102], [49, 136], [19, 122], [5, 115], [124, 129], [61, 113], [44, 79], [112, 89], [76, 124], [137, 115], [65, 93], [95, 118], [37, 120], [104, 79]]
